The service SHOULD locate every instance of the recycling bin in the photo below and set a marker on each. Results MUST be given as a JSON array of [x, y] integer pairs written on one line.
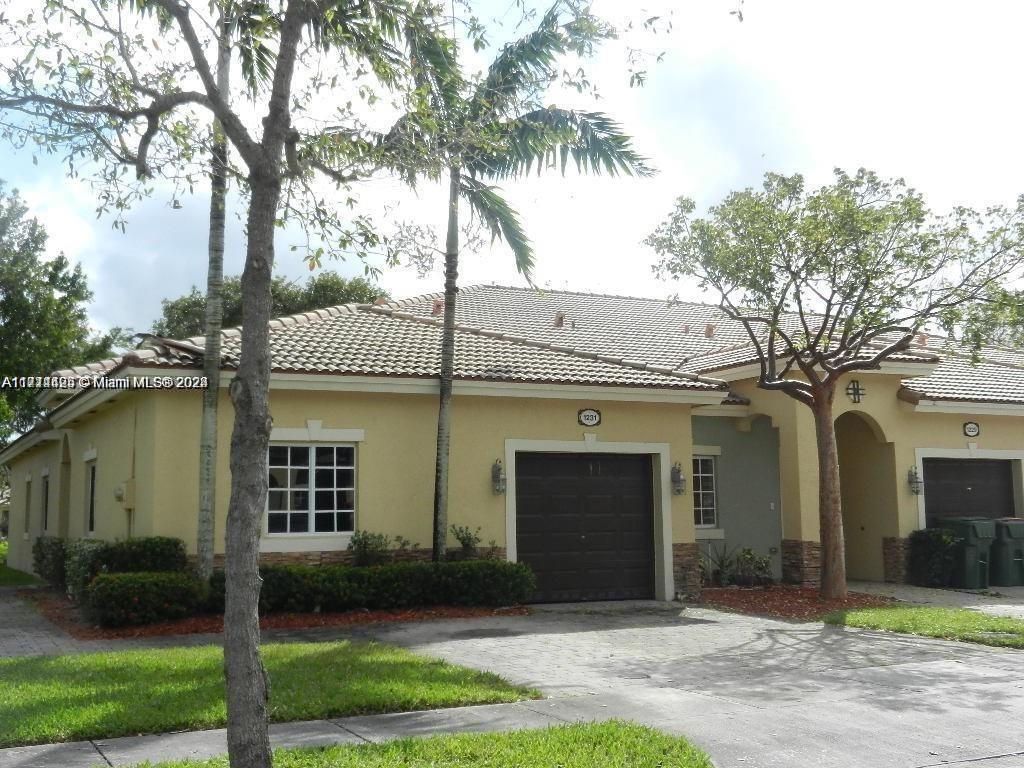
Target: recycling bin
[[972, 556], [1006, 568]]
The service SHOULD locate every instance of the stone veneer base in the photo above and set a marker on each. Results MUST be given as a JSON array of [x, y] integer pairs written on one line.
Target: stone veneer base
[[801, 562], [686, 569], [894, 560]]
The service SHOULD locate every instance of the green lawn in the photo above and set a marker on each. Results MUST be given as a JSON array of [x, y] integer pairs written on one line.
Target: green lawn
[[85, 696], [10, 577], [609, 745], [948, 623]]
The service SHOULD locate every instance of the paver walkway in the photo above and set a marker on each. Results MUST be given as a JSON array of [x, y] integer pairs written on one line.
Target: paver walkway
[[751, 691], [756, 692], [998, 601]]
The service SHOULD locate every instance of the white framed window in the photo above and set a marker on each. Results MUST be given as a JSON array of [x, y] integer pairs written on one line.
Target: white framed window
[[28, 507], [46, 502], [705, 496], [90, 497], [311, 488]]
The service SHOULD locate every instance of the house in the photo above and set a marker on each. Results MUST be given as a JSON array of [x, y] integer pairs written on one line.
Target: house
[[602, 439]]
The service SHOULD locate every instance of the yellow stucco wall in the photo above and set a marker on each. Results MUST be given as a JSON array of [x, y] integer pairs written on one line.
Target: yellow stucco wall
[[119, 432], [395, 461], [897, 426]]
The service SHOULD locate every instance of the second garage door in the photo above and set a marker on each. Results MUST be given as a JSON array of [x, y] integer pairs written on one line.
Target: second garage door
[[585, 524], [967, 488]]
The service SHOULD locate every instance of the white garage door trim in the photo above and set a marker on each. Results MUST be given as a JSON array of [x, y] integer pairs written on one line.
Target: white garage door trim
[[972, 451], [661, 461]]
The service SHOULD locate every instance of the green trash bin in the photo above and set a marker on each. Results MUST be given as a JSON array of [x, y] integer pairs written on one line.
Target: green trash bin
[[972, 556], [1007, 565]]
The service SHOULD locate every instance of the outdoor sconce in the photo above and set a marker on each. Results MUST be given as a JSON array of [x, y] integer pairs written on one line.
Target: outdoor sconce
[[914, 481], [498, 478], [678, 480]]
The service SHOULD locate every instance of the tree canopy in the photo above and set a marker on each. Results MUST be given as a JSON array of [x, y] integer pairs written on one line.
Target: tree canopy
[[43, 319], [837, 280], [840, 278], [183, 316]]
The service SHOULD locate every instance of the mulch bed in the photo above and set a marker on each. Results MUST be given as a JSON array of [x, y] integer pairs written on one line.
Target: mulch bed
[[68, 617], [784, 601]]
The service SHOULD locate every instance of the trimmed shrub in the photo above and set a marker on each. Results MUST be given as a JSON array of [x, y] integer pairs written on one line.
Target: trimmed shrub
[[48, 560], [83, 561], [124, 599], [931, 557], [290, 589], [339, 588], [751, 569], [370, 548], [145, 554]]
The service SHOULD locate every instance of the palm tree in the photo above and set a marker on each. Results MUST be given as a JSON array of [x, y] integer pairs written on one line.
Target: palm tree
[[493, 130]]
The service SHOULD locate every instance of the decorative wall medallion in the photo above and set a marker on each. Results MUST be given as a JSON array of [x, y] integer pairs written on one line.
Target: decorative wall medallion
[[855, 391]]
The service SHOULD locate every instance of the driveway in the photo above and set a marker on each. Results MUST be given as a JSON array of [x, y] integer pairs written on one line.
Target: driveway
[[751, 691]]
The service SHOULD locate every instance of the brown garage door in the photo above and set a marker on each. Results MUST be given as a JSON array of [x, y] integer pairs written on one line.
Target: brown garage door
[[585, 524], [967, 487]]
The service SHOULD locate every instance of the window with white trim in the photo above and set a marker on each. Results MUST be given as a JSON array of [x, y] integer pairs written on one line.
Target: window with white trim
[[312, 488], [705, 497], [28, 506], [46, 502], [90, 497]]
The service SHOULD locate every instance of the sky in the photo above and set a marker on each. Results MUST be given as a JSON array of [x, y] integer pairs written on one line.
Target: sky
[[926, 91]]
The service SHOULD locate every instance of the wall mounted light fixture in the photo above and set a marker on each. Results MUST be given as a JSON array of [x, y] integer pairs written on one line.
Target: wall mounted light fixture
[[914, 481], [498, 481], [678, 479]]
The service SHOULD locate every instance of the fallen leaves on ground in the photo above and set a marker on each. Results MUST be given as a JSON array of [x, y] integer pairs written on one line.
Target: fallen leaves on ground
[[785, 601], [68, 617]]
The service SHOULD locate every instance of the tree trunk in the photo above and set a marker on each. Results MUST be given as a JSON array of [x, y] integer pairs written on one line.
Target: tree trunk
[[214, 316], [830, 506], [247, 682], [444, 419]]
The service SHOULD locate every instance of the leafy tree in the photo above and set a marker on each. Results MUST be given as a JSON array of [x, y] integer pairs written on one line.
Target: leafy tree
[[497, 128], [837, 280], [128, 85], [43, 321], [183, 317]]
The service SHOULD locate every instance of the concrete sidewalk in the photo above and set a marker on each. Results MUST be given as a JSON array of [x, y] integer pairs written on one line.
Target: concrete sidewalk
[[200, 745]]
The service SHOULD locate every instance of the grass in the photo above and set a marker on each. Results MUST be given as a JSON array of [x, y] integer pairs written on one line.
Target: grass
[[86, 696], [9, 577], [609, 745], [948, 623]]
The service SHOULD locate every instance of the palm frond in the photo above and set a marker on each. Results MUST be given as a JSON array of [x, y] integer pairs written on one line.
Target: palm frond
[[549, 138], [501, 220], [520, 65], [433, 61]]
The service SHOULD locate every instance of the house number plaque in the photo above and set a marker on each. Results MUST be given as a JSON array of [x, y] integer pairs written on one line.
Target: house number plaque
[[589, 417]]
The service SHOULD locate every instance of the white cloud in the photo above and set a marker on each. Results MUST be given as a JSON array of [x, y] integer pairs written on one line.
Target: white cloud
[[927, 91]]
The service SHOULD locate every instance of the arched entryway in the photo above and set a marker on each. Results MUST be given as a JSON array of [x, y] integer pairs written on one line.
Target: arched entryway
[[867, 475]]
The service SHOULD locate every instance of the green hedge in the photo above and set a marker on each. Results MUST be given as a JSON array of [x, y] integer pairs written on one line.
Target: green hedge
[[931, 557], [301, 588], [48, 560], [82, 562], [85, 559], [123, 599], [144, 554]]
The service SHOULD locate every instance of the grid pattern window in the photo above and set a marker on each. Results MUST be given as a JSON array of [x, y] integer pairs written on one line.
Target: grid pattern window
[[90, 496], [28, 505], [312, 489], [705, 497], [46, 502]]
